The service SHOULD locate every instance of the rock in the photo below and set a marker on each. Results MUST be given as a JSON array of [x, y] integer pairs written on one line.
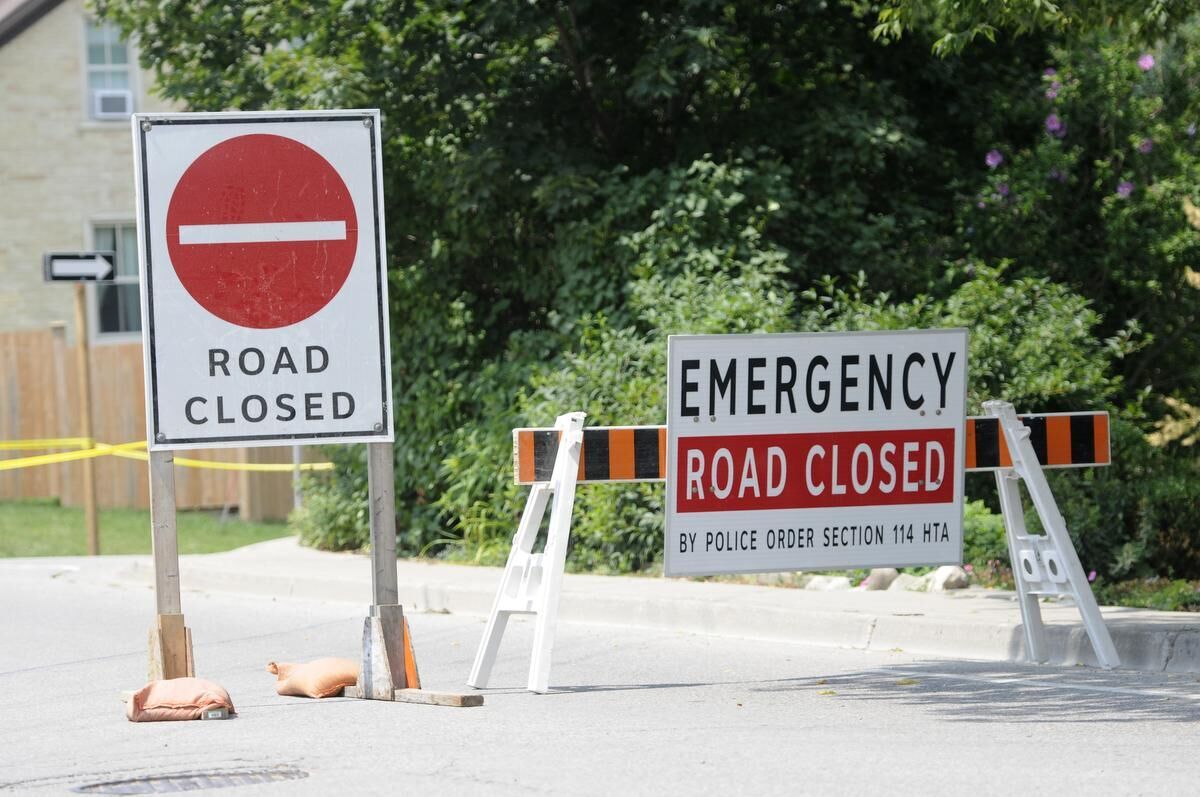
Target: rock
[[880, 578], [827, 583], [948, 577], [910, 582]]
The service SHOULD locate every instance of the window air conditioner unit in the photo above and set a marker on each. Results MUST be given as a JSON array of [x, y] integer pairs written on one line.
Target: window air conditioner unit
[[112, 103]]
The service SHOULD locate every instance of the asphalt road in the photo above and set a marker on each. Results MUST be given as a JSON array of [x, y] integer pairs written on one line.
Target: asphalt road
[[636, 712]]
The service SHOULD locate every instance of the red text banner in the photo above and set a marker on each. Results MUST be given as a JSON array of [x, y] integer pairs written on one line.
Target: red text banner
[[815, 470]]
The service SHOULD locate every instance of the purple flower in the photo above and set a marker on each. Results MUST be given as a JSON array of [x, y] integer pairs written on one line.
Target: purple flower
[[1050, 71], [1145, 146], [969, 568], [1191, 130], [981, 204], [1055, 126], [1124, 189], [1058, 176], [1091, 576], [1002, 189], [993, 158], [1052, 92], [1146, 62]]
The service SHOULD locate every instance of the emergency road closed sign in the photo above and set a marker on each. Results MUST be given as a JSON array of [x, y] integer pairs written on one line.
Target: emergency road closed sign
[[264, 291], [814, 451]]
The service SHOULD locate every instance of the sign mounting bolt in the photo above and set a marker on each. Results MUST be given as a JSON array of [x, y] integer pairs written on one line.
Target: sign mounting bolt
[[160, 437], [146, 126], [367, 122], [379, 427]]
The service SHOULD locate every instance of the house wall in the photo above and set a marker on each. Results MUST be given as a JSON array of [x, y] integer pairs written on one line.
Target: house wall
[[60, 173], [59, 170]]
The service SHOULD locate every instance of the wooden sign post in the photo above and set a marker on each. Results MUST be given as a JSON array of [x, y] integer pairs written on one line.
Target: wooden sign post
[[84, 370], [170, 639], [78, 268]]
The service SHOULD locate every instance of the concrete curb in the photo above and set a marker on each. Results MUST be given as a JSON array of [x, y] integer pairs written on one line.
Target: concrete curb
[[970, 624]]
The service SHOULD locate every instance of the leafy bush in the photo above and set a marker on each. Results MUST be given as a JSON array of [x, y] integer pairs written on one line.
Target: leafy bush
[[1174, 595], [700, 263], [1136, 518], [984, 538]]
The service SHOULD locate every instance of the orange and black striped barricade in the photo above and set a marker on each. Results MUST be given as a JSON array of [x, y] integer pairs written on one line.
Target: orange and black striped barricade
[[639, 453], [1016, 447]]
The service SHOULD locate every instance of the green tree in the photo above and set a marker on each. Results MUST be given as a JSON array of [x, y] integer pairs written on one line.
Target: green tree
[[956, 24], [568, 181]]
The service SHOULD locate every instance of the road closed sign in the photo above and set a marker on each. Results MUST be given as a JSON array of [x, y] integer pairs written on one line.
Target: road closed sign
[[264, 291], [814, 451]]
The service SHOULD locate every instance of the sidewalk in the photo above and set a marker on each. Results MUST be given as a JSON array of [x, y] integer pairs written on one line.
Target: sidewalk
[[970, 624]]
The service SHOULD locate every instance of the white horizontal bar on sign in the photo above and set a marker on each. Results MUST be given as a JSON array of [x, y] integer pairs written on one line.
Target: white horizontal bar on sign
[[262, 232]]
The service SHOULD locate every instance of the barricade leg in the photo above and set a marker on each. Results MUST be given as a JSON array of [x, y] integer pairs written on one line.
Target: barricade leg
[[1014, 527], [510, 584], [555, 560]]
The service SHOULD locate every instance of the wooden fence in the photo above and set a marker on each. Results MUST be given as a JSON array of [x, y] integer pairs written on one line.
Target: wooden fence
[[39, 398]]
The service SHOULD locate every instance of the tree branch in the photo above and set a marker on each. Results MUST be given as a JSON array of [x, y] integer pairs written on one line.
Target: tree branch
[[567, 36]]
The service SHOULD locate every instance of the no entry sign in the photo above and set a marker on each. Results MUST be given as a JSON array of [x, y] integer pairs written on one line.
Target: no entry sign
[[814, 451], [264, 286]]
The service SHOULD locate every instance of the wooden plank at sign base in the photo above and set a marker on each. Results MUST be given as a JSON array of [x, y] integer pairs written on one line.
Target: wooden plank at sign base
[[170, 649], [426, 698], [438, 698], [634, 453]]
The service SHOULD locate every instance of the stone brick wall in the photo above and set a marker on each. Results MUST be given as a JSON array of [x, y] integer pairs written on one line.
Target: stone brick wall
[[59, 171]]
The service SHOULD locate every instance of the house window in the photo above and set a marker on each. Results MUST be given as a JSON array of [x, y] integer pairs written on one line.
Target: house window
[[118, 308], [109, 73]]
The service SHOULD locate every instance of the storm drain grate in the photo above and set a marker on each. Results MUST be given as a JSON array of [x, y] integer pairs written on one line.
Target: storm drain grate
[[191, 781]]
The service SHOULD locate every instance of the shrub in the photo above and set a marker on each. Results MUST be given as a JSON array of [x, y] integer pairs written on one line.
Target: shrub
[[984, 538]]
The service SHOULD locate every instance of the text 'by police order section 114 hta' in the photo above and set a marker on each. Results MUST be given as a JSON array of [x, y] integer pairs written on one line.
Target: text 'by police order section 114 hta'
[[815, 451]]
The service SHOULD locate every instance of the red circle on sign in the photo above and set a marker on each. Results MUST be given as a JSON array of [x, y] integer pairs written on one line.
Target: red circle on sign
[[261, 231]]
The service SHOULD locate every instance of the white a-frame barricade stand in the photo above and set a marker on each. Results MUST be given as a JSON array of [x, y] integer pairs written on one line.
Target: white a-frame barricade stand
[[1042, 565], [532, 581]]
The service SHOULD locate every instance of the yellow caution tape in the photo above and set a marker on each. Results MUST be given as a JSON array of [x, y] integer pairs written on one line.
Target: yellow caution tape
[[44, 443], [134, 450], [101, 449], [259, 467]]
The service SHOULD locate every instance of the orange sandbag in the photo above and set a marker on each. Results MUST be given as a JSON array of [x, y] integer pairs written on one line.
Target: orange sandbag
[[176, 699], [320, 678]]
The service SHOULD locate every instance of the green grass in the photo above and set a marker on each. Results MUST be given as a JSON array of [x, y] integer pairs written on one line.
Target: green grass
[[44, 528]]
